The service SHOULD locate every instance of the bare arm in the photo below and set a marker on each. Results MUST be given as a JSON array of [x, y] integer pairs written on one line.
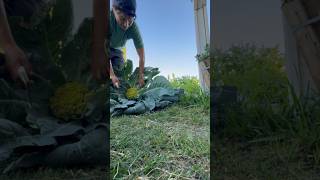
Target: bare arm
[[5, 33], [141, 65], [15, 57]]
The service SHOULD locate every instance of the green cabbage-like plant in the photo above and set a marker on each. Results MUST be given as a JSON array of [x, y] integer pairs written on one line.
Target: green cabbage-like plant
[[157, 92]]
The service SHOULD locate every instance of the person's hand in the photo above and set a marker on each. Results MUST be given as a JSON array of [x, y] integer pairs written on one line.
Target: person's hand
[[141, 80], [115, 81], [15, 59], [99, 66]]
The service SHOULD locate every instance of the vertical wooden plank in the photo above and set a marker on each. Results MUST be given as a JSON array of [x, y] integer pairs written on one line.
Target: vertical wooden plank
[[312, 8], [202, 39], [308, 45], [297, 70]]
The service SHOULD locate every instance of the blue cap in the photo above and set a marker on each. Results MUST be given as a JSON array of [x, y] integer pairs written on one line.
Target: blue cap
[[127, 6]]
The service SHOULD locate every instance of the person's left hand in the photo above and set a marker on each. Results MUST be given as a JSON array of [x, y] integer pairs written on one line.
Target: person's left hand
[[15, 59], [141, 80]]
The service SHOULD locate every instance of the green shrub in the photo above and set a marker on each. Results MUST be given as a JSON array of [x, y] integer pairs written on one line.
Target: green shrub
[[259, 76], [258, 73], [193, 94], [264, 111]]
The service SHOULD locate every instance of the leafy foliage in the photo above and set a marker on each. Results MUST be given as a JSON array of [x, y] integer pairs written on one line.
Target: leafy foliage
[[257, 73], [205, 55], [193, 94], [157, 92], [267, 110], [39, 133]]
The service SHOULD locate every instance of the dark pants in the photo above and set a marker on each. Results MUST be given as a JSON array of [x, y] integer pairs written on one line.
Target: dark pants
[[117, 60]]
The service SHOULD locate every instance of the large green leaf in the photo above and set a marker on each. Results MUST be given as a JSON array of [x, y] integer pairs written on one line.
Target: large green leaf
[[12, 105], [47, 73], [25, 161], [158, 81], [46, 37], [163, 104], [50, 126], [25, 144], [32, 141], [75, 60], [9, 129], [149, 73], [91, 149], [68, 129], [149, 103], [138, 108], [97, 105], [157, 93], [127, 70], [57, 28]]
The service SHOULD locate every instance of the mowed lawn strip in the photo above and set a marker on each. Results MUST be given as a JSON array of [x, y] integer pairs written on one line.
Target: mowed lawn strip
[[89, 173], [173, 143], [273, 160]]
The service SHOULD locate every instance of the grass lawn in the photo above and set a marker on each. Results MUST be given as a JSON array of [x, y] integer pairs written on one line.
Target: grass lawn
[[173, 143], [277, 160], [94, 173]]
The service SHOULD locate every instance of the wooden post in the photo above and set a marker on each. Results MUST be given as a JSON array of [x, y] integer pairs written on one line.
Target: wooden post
[[302, 45], [202, 38]]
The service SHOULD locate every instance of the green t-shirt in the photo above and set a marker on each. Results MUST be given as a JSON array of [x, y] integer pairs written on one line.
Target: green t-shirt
[[119, 37]]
